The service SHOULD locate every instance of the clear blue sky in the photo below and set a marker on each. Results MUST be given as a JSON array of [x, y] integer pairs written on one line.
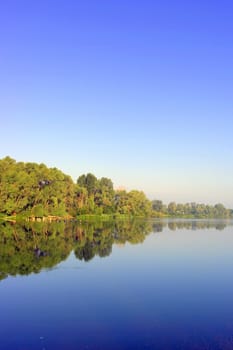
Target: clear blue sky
[[138, 91]]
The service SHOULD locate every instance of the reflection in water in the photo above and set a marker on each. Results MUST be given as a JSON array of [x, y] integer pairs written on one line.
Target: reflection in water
[[30, 248], [198, 224], [172, 292]]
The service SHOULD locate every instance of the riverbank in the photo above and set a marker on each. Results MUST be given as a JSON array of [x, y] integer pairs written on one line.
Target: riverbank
[[100, 217]]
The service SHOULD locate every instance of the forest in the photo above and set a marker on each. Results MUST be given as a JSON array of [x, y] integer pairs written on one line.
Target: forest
[[31, 190]]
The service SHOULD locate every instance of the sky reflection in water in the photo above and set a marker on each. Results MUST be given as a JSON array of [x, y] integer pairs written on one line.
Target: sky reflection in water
[[173, 291]]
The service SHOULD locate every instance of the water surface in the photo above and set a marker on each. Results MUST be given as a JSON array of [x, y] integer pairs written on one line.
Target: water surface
[[122, 285]]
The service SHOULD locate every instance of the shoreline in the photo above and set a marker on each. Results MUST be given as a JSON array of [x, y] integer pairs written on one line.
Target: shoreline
[[102, 217]]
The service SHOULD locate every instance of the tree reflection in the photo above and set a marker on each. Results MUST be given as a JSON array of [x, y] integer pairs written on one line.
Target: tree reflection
[[29, 248]]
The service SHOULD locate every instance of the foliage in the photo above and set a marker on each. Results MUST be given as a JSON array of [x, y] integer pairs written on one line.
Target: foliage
[[33, 190], [190, 210], [36, 191]]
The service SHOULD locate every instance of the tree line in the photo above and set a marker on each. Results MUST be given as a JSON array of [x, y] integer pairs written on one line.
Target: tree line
[[197, 210], [34, 190]]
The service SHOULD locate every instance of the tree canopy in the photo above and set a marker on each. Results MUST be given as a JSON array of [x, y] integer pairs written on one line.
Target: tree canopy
[[34, 190]]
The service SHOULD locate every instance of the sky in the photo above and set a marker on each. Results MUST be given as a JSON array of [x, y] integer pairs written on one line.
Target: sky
[[137, 91]]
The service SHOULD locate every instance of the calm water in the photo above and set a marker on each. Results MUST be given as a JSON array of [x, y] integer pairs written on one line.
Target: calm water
[[135, 285]]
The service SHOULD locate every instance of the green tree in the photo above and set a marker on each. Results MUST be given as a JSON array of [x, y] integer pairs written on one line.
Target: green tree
[[157, 205], [172, 208]]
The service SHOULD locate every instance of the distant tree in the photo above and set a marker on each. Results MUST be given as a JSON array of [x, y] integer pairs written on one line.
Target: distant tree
[[180, 209], [157, 205], [220, 210], [172, 208]]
